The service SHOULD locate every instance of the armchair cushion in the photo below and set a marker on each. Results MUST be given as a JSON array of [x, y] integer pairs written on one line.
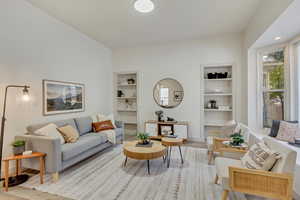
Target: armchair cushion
[[222, 167], [260, 157], [83, 144]]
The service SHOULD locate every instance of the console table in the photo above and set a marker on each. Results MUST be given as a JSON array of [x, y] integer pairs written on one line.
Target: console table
[[154, 128]]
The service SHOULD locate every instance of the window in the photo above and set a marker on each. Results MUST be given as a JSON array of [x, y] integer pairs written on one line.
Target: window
[[164, 96], [273, 86]]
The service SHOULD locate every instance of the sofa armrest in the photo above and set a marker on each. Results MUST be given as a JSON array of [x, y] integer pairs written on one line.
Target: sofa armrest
[[119, 124], [261, 183], [51, 147]]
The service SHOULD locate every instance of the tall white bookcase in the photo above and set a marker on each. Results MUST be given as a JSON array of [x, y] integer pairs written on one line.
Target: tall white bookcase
[[126, 105], [221, 90]]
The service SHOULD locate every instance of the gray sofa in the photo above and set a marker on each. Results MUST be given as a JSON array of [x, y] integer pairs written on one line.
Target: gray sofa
[[60, 157]]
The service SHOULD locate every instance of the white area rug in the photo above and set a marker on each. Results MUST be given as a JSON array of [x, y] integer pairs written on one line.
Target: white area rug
[[103, 177]]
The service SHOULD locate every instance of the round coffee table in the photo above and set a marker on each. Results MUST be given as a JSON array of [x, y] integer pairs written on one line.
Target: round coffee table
[[130, 150], [169, 143]]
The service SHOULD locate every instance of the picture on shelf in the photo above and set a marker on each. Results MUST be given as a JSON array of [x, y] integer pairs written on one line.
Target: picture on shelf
[[62, 97]]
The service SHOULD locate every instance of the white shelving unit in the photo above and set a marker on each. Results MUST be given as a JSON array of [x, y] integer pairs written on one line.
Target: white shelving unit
[[126, 102], [222, 91]]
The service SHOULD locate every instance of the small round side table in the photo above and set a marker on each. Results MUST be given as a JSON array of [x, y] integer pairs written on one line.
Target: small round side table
[[169, 143]]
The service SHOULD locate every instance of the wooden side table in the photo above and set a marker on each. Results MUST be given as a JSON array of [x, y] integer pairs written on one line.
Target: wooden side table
[[18, 159], [169, 143]]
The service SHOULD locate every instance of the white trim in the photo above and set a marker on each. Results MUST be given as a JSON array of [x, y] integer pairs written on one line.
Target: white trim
[[287, 80]]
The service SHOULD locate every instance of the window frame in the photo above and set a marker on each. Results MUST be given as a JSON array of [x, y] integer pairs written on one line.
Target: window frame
[[260, 85]]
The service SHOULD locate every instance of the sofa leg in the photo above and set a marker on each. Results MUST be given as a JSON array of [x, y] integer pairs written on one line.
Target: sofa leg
[[55, 176], [225, 194], [216, 179]]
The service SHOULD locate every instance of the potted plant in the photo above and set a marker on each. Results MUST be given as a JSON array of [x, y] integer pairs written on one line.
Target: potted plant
[[18, 147], [143, 138], [237, 139]]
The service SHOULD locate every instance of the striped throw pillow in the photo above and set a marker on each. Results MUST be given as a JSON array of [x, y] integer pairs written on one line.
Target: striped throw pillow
[[260, 157]]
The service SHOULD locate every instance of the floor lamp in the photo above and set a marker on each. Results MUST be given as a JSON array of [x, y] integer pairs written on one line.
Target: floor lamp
[[21, 178]]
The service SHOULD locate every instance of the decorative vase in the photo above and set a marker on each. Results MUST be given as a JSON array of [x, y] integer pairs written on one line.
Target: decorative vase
[[18, 150]]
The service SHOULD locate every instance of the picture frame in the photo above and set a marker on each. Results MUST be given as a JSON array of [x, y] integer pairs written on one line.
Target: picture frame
[[61, 97]]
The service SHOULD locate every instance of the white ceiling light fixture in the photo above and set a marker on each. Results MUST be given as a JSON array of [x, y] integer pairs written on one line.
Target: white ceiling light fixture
[[277, 38], [144, 6]]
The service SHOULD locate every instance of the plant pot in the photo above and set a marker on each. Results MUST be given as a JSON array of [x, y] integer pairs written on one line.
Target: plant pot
[[18, 150]]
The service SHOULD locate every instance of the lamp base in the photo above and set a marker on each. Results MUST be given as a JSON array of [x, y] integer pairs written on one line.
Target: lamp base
[[17, 180]]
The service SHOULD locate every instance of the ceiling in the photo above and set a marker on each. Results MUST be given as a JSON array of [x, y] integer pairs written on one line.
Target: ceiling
[[116, 24], [286, 26]]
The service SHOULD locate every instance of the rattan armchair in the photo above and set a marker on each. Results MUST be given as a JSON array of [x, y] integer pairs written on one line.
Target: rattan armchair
[[275, 184]]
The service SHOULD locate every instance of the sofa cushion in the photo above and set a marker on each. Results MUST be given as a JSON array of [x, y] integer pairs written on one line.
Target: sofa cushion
[[32, 128], [69, 133], [276, 125], [84, 124], [83, 144]]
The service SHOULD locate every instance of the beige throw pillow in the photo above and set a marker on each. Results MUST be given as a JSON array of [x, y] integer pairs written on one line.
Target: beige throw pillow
[[288, 131], [69, 133], [260, 157], [50, 130]]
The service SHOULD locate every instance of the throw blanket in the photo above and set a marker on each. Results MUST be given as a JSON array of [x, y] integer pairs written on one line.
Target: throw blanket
[[111, 135]]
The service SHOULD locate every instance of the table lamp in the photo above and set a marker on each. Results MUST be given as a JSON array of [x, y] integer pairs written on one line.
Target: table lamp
[[23, 177]]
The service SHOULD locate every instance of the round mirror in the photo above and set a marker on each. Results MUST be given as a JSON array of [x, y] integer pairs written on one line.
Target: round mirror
[[168, 93]]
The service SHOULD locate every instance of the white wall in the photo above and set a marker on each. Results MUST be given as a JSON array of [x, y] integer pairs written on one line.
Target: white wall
[[267, 13], [180, 61], [35, 46]]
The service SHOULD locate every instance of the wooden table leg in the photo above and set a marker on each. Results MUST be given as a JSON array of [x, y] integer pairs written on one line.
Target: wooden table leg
[[6, 174], [42, 169]]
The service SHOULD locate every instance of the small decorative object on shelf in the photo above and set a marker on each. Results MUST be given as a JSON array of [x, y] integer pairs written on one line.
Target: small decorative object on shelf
[[159, 114], [18, 147], [217, 75], [170, 119], [120, 93], [130, 81]]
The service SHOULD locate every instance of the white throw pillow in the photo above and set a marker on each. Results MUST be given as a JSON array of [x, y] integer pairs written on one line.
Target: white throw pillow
[[51, 131], [110, 117], [260, 157], [94, 118]]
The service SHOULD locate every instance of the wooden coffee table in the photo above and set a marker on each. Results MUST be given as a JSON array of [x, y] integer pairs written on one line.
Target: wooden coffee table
[[169, 143], [143, 153]]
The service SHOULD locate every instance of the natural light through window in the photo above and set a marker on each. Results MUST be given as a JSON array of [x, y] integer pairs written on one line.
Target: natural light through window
[[164, 96], [273, 87]]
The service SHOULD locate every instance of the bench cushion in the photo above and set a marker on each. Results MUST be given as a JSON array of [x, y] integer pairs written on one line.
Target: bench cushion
[[83, 144]]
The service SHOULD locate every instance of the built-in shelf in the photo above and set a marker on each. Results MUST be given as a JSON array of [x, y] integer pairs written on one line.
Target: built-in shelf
[[126, 110], [218, 79], [273, 64], [214, 124], [126, 97], [125, 85], [219, 91], [218, 94], [217, 110], [126, 105]]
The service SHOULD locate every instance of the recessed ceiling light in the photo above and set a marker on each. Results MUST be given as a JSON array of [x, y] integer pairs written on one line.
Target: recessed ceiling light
[[144, 6], [277, 38]]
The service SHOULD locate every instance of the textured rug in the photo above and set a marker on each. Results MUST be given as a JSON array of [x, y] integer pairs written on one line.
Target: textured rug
[[103, 177]]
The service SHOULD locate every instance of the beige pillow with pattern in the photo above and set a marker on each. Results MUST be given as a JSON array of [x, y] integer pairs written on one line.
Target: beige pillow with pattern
[[260, 157], [69, 133]]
